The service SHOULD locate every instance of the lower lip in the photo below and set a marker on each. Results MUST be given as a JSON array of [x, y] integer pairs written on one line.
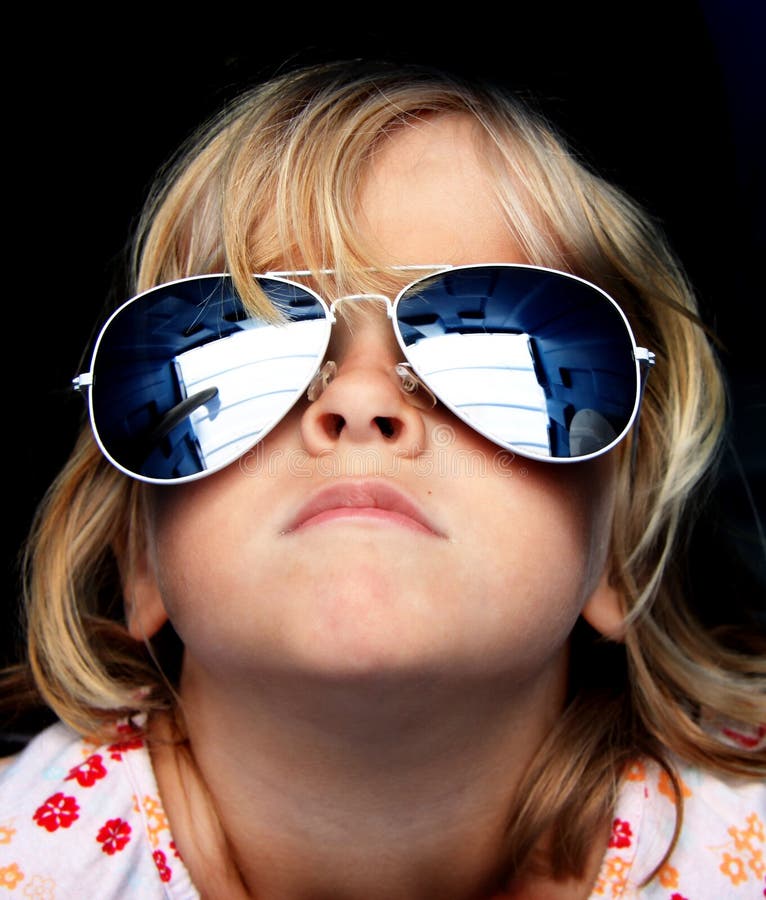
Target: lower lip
[[364, 515]]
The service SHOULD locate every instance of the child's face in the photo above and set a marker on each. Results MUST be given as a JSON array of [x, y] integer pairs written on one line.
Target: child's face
[[505, 555]]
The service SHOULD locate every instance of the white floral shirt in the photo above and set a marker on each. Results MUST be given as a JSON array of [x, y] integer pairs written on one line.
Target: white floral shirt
[[83, 821], [86, 822], [721, 850]]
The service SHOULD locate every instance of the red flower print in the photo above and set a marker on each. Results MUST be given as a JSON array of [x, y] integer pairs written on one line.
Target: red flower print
[[162, 867], [116, 750], [621, 834], [114, 835], [748, 741], [677, 897], [58, 811], [88, 772]]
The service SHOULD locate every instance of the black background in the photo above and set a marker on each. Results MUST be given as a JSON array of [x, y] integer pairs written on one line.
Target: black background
[[667, 99]]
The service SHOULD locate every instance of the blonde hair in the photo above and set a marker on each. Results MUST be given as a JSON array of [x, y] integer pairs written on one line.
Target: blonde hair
[[271, 182]]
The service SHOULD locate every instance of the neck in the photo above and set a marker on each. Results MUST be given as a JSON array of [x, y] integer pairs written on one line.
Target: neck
[[352, 788]]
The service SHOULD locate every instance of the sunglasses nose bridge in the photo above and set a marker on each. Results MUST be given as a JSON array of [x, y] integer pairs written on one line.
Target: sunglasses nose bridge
[[361, 298], [339, 337]]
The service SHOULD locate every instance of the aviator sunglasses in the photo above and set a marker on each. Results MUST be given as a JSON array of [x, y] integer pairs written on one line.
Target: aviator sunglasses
[[185, 379]]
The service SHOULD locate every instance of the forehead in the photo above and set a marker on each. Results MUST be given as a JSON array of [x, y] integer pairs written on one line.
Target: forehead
[[428, 197]]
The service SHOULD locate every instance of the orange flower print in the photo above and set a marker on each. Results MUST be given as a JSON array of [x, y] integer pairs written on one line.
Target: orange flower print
[[741, 840], [616, 867], [157, 821], [668, 876], [58, 811], [612, 878], [40, 888], [88, 772], [621, 834], [733, 868], [114, 835], [10, 876], [636, 771], [749, 860], [755, 827], [153, 808], [88, 747], [665, 786], [757, 864], [6, 833]]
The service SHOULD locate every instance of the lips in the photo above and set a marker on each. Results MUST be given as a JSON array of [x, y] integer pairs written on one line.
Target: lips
[[372, 501]]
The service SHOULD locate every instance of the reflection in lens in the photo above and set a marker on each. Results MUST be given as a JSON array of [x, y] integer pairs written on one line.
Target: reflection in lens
[[538, 361], [185, 380], [480, 373]]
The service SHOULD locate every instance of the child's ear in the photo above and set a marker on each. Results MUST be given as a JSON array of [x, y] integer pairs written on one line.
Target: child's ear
[[604, 610], [144, 608]]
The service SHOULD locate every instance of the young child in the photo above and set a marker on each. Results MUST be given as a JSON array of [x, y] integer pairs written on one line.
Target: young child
[[363, 578]]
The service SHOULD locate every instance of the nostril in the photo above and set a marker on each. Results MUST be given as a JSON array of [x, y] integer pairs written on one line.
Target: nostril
[[386, 426], [333, 424]]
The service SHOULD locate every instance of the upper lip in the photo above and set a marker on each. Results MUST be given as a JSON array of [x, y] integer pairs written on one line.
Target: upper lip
[[377, 494]]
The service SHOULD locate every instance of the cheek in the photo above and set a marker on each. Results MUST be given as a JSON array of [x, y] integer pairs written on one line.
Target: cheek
[[583, 496], [594, 502], [201, 536], [537, 543], [177, 540]]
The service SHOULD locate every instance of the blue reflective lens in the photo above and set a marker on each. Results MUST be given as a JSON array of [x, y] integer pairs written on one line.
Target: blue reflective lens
[[186, 379], [538, 361]]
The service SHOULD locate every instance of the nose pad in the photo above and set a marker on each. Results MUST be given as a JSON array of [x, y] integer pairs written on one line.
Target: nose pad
[[320, 381], [414, 389]]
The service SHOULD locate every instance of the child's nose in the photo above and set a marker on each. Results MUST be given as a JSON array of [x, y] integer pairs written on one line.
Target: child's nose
[[362, 402]]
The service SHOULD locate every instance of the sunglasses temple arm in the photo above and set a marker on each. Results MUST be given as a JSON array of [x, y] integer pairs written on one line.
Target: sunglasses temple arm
[[645, 360]]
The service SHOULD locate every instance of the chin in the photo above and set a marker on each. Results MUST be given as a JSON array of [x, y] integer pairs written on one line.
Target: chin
[[360, 636]]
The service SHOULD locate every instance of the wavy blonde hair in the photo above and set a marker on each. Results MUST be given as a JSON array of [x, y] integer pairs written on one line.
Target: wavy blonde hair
[[271, 182]]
